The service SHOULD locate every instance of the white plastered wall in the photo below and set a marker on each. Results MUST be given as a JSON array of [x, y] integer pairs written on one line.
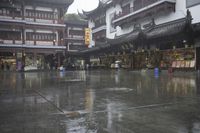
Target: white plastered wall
[[180, 12]]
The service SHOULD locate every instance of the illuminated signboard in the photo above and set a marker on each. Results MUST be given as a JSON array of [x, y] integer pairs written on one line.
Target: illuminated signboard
[[87, 36]]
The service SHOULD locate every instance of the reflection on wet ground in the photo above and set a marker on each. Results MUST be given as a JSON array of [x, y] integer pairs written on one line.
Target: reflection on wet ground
[[99, 102]]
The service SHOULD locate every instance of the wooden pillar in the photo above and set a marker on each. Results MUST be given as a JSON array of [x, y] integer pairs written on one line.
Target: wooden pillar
[[63, 37], [58, 60], [23, 10], [23, 58], [53, 15], [34, 9], [59, 37], [58, 15], [34, 57], [13, 13], [34, 37], [13, 36], [54, 37], [23, 35]]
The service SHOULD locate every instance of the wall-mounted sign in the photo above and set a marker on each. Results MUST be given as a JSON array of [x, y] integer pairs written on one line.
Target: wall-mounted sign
[[87, 36]]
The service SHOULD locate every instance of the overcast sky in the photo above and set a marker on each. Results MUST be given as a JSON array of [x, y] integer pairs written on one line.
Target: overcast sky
[[80, 5]]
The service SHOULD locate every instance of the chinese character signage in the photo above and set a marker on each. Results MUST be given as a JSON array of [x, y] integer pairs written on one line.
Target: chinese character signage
[[87, 36]]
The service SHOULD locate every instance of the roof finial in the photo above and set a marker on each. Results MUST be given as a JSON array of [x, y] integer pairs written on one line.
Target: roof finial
[[189, 16]]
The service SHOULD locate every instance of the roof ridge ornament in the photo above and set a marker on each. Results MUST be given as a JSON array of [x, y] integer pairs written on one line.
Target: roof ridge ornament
[[153, 22], [150, 25], [189, 17]]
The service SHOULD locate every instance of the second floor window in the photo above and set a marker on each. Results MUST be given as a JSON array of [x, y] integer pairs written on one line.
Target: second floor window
[[5, 12], [40, 36], [10, 35], [41, 14], [10, 12]]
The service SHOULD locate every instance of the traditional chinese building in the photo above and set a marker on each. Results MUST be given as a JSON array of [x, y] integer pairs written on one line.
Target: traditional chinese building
[[97, 23], [147, 33], [75, 39], [75, 33], [32, 33]]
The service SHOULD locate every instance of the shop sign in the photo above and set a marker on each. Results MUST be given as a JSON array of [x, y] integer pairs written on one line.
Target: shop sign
[[87, 36]]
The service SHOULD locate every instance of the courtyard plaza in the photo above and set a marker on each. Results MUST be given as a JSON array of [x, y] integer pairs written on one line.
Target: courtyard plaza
[[100, 101]]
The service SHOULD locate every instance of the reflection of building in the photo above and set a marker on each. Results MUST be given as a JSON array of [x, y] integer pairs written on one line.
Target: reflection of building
[[180, 86], [97, 23], [32, 30], [30, 109], [144, 33]]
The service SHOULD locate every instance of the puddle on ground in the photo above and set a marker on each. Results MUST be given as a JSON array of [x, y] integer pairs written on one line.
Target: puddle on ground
[[120, 89], [73, 80]]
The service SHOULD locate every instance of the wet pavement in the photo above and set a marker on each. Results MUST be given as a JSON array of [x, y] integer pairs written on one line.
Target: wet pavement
[[104, 101]]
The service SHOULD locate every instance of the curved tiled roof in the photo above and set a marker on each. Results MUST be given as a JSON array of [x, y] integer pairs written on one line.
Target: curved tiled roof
[[100, 6], [76, 22], [156, 31], [65, 2], [165, 30]]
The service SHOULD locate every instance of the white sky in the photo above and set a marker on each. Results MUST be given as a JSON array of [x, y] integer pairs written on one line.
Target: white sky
[[80, 5]]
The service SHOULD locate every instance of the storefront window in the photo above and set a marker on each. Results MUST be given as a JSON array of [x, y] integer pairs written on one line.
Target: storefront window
[[37, 61], [178, 58]]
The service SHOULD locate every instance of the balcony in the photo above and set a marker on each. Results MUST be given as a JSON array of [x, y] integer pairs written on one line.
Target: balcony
[[143, 8]]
